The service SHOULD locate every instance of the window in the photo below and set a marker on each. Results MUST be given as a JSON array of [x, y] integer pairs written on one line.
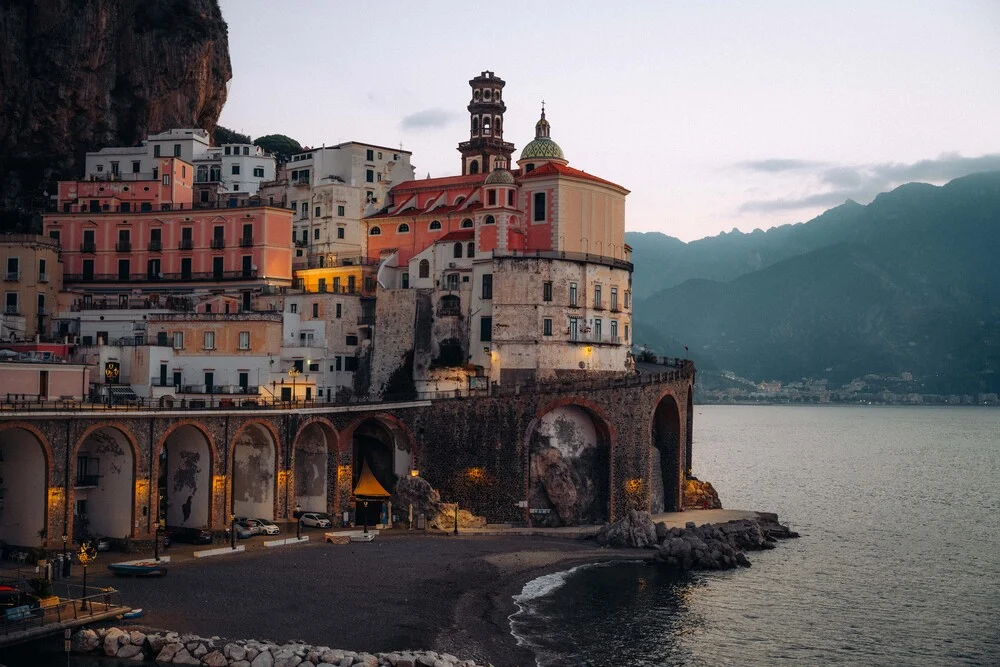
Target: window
[[457, 250], [338, 365], [178, 340], [467, 224], [626, 333], [340, 232], [597, 297], [487, 285], [350, 364], [246, 150], [424, 270], [322, 285], [539, 208], [100, 167], [380, 155], [403, 228], [339, 310], [316, 234], [547, 327], [218, 264], [209, 340], [315, 310], [11, 304], [369, 176], [574, 328], [13, 268], [351, 339], [340, 211], [510, 198], [614, 299], [293, 307], [313, 368], [597, 330], [547, 291], [572, 294], [156, 152], [489, 220], [136, 166], [406, 280], [54, 235], [470, 249], [628, 301], [492, 197], [369, 154], [293, 206], [485, 329], [316, 212], [435, 225], [451, 281], [166, 179], [123, 269], [229, 150], [304, 210], [614, 329], [258, 172], [41, 271], [375, 231], [177, 150]]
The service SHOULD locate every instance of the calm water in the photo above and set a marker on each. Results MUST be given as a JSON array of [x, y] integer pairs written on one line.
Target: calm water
[[898, 564]]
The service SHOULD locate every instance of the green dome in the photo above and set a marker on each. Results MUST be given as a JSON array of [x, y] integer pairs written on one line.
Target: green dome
[[500, 177], [542, 148]]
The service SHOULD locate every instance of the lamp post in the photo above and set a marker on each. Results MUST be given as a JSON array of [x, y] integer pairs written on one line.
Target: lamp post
[[293, 373], [156, 542], [232, 531], [298, 521], [65, 562], [87, 555]]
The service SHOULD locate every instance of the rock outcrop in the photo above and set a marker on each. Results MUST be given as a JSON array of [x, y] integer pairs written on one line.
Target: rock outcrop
[[175, 649], [76, 76], [636, 530], [700, 495]]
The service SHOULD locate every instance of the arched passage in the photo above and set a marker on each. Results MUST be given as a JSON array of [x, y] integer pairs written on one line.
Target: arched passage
[[569, 468], [665, 453], [185, 478], [254, 458], [24, 480], [388, 453], [315, 456], [104, 484]]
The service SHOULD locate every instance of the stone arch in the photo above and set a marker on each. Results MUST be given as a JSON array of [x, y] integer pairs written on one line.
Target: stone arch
[[570, 445], [103, 469], [26, 469], [183, 468], [315, 466], [255, 456], [388, 446], [665, 460]]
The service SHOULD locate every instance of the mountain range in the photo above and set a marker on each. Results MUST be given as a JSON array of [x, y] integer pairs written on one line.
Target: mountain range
[[908, 283]]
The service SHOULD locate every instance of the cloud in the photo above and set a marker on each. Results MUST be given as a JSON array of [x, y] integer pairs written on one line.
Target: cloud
[[427, 118], [831, 185]]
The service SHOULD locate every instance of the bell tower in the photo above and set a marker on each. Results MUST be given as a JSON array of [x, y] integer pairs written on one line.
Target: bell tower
[[486, 150]]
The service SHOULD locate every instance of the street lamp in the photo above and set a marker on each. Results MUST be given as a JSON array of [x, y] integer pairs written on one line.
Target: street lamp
[[156, 542], [87, 555], [293, 373], [232, 531], [298, 521], [65, 562]]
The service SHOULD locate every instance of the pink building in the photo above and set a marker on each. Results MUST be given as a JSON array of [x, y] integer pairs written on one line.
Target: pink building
[[147, 235], [44, 381]]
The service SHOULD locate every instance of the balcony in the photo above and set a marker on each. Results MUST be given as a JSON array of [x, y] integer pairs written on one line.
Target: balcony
[[11, 310], [86, 481], [123, 246], [88, 246], [156, 246], [166, 277], [218, 243], [301, 243], [214, 389], [590, 338], [366, 320], [246, 242], [43, 277], [185, 244], [12, 276], [301, 182]]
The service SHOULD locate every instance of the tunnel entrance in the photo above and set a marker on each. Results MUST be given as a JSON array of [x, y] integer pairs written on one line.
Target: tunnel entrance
[[254, 458], [185, 479], [23, 488], [104, 486], [312, 467], [665, 494]]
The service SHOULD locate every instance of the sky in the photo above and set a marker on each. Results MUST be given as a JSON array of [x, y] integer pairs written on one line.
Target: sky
[[716, 115]]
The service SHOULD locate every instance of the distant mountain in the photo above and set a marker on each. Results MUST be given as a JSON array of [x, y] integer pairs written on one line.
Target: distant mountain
[[910, 282]]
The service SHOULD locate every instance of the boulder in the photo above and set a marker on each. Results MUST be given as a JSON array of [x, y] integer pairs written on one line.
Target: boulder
[[445, 519], [418, 492], [700, 495], [85, 641], [155, 642], [555, 475], [332, 657], [129, 651], [215, 659], [199, 650], [263, 659], [240, 663], [167, 653], [235, 652], [286, 657], [137, 638], [112, 640], [366, 660], [635, 530]]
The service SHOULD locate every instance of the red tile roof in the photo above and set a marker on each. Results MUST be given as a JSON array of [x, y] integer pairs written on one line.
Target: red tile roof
[[554, 169], [458, 235], [440, 183]]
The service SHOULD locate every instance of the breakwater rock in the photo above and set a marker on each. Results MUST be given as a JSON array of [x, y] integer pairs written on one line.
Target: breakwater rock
[[171, 648], [707, 547]]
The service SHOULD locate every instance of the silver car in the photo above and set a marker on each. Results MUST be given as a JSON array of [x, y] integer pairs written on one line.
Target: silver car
[[315, 520]]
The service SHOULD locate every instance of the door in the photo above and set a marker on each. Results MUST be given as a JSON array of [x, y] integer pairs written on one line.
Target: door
[[210, 382], [43, 384], [163, 375], [247, 266], [177, 380], [186, 268], [244, 381], [217, 268]]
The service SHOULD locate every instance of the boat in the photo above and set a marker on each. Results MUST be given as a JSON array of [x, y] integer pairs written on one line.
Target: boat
[[135, 613], [148, 568]]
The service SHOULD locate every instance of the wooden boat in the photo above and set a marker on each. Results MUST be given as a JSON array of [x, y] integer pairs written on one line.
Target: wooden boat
[[135, 613], [139, 569]]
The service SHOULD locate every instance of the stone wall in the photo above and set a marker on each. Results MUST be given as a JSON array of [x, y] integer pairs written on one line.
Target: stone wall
[[394, 316]]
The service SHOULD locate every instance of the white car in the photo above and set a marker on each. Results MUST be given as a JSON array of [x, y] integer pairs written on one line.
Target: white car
[[315, 520], [267, 527]]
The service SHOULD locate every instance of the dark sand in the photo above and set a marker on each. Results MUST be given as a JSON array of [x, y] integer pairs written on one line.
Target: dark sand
[[449, 594]]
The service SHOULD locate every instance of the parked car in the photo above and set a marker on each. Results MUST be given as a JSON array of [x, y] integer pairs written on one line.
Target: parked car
[[268, 527], [246, 527], [315, 520], [190, 535], [102, 543]]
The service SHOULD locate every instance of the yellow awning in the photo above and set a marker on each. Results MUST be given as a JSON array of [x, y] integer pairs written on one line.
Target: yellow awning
[[368, 486]]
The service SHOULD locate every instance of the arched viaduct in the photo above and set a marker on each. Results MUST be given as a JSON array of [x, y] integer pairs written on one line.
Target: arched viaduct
[[581, 452]]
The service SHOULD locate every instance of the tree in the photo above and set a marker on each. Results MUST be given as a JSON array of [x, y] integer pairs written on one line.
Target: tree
[[282, 147], [223, 135]]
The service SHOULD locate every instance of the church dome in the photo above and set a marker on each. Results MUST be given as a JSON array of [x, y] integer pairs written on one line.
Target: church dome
[[500, 177], [542, 147]]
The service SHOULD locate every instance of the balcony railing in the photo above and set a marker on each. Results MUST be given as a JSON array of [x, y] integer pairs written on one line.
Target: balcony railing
[[246, 242], [156, 246], [218, 243], [592, 258], [166, 277], [90, 247], [366, 320], [11, 310], [593, 338], [86, 481], [219, 389], [12, 276], [123, 246], [185, 244], [301, 243]]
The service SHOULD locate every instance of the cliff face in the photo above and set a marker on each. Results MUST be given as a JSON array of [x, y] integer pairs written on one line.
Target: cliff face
[[76, 75]]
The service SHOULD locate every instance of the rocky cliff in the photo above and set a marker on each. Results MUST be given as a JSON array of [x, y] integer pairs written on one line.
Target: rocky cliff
[[78, 75]]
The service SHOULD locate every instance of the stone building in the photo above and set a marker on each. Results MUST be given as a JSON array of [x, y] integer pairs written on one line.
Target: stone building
[[32, 279]]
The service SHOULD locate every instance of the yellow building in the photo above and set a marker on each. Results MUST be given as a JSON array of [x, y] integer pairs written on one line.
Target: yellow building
[[355, 278], [32, 281]]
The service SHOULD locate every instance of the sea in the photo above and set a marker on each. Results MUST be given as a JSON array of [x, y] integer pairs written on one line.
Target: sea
[[898, 561]]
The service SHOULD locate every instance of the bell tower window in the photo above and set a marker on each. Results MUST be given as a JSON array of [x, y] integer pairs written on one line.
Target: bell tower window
[[474, 167], [486, 126]]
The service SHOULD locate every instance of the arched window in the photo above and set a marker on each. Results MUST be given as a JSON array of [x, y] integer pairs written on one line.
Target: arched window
[[470, 250], [375, 231], [425, 269], [489, 220], [496, 125], [475, 124], [458, 250], [403, 228], [459, 200], [486, 95], [202, 174], [435, 225], [475, 94], [486, 125], [474, 167], [467, 224]]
